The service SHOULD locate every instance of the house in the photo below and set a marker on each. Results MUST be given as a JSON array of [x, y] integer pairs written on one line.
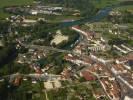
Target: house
[[1, 44], [97, 48], [129, 64], [17, 81], [66, 73], [78, 49], [33, 12], [52, 84], [87, 75], [128, 98]]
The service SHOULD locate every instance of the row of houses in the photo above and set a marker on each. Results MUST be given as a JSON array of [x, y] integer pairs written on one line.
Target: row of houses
[[123, 48], [106, 79], [46, 10]]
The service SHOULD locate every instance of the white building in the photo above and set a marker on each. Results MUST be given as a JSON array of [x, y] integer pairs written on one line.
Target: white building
[[33, 12]]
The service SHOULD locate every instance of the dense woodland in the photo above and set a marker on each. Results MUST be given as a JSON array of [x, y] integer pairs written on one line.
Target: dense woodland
[[4, 25]]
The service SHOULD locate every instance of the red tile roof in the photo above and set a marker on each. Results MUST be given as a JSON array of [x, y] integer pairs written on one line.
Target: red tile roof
[[88, 76]]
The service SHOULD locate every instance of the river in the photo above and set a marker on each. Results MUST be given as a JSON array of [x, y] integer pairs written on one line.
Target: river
[[99, 16]]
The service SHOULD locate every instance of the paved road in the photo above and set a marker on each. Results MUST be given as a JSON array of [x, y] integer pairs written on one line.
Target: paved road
[[46, 48], [42, 77]]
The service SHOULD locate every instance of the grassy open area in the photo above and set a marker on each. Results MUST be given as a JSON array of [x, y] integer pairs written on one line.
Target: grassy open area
[[14, 2], [54, 18], [6, 3], [104, 3], [3, 15], [128, 8]]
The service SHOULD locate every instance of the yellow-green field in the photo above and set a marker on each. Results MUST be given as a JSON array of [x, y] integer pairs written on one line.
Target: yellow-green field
[[6, 3], [104, 3]]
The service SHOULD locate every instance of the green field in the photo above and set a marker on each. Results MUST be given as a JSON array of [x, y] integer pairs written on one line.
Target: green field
[[104, 3], [14, 2], [6, 3], [129, 8]]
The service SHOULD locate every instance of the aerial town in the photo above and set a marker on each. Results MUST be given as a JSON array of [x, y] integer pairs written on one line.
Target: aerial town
[[66, 50]]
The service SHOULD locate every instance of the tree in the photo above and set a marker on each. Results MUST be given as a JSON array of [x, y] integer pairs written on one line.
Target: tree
[[7, 54], [4, 25], [3, 90]]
